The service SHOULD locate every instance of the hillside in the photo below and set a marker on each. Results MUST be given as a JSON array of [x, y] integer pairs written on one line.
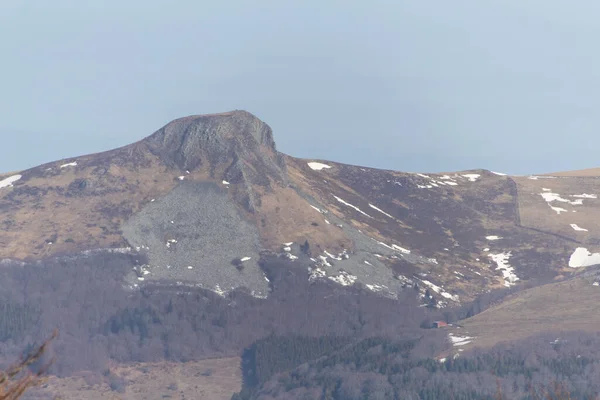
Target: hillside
[[202, 239], [209, 190]]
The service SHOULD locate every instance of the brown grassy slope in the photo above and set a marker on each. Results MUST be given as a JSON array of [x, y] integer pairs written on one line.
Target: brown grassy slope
[[536, 213], [564, 306], [216, 379], [54, 210], [580, 172]]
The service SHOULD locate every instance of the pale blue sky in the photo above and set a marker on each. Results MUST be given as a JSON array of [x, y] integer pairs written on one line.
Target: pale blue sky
[[508, 85]]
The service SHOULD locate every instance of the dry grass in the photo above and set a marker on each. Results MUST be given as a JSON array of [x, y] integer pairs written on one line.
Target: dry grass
[[588, 172], [214, 379], [536, 213], [77, 222], [554, 307]]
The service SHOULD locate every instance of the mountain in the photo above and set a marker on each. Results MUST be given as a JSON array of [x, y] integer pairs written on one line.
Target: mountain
[[211, 190], [202, 239]]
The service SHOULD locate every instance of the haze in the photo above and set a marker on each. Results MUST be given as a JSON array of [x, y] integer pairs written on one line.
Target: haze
[[510, 86]]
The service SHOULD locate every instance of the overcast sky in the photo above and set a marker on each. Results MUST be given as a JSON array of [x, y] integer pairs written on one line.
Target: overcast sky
[[507, 85]]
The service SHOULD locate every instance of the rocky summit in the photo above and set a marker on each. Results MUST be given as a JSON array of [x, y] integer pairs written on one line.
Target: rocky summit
[[205, 199]]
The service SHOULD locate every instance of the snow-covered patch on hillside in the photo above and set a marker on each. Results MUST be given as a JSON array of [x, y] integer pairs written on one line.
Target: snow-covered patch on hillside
[[472, 177], [558, 209], [581, 257], [394, 247], [498, 173], [378, 288], [71, 164], [380, 210], [508, 272], [493, 237], [535, 177], [351, 206], [8, 182], [578, 228], [315, 273], [459, 340], [225, 183], [344, 278], [440, 291], [318, 166], [585, 196], [219, 291], [243, 259], [550, 196]]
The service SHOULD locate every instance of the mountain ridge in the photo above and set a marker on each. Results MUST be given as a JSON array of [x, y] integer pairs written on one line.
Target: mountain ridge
[[455, 235]]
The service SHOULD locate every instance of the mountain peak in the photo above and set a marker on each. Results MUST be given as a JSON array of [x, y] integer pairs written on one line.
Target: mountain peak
[[235, 146]]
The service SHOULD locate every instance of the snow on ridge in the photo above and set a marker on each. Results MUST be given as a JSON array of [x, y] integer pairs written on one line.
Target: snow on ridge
[[350, 205], [578, 228], [494, 237], [316, 166], [471, 177], [380, 210], [71, 164], [585, 196], [582, 257], [498, 173], [245, 259], [8, 182], [508, 272]]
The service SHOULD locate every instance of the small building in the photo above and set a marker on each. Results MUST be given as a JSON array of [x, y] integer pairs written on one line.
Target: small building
[[439, 324]]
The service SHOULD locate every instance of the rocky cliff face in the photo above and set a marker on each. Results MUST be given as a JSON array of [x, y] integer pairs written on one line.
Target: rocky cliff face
[[236, 146]]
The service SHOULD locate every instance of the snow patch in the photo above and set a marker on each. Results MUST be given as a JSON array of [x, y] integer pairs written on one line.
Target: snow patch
[[508, 272], [182, 177], [8, 182], [225, 182], [219, 291], [585, 196], [377, 288], [245, 259], [498, 173], [493, 237], [440, 291], [381, 211], [578, 228], [472, 177], [318, 166], [558, 209], [549, 197], [352, 206], [71, 164], [395, 247], [459, 340], [581, 257], [344, 279]]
